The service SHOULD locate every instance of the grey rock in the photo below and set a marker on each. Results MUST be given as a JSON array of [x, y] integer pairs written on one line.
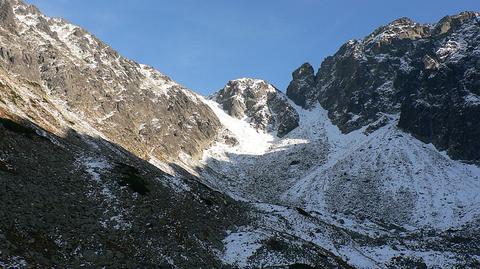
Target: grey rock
[[78, 124], [265, 106], [6, 15], [428, 74], [301, 89], [134, 105]]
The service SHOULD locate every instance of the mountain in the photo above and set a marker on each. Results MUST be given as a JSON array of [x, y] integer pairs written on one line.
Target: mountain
[[426, 73], [94, 152], [369, 163], [123, 100], [357, 160], [265, 107], [79, 124]]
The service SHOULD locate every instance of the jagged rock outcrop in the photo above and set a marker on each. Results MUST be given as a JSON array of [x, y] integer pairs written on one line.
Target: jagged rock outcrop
[[78, 122], [265, 107], [130, 104], [428, 74], [442, 104], [301, 89]]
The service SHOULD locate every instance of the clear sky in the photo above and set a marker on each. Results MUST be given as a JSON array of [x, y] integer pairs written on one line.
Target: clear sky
[[204, 43]]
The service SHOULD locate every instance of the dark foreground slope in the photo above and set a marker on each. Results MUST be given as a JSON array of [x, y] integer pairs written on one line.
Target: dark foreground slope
[[65, 202]]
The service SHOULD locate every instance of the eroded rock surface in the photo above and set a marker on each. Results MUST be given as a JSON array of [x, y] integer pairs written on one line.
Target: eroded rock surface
[[266, 108], [131, 104], [426, 73]]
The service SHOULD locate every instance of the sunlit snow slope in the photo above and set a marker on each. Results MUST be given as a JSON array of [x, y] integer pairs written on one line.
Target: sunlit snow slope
[[387, 175], [384, 185]]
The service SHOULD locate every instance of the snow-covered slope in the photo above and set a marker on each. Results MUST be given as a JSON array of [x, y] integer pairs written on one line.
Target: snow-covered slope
[[244, 138], [305, 194], [391, 176], [368, 180], [78, 123], [386, 175]]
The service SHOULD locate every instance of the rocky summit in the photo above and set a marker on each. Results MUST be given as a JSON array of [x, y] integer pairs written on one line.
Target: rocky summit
[[370, 162], [428, 74], [264, 106]]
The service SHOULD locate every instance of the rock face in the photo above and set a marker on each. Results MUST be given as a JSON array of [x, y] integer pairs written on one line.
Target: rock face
[[444, 108], [302, 88], [77, 124], [6, 15], [265, 107], [426, 73], [131, 104]]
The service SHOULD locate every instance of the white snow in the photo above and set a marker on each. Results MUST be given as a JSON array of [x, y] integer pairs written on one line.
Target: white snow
[[155, 81], [444, 191], [251, 141], [405, 65], [392, 31], [240, 246], [472, 100], [94, 166], [450, 48]]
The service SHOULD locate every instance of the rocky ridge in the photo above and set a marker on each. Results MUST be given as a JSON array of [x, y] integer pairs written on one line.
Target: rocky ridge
[[354, 162], [131, 104], [426, 73]]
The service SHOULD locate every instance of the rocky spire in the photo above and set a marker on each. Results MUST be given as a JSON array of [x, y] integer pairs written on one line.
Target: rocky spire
[[427, 74], [302, 86]]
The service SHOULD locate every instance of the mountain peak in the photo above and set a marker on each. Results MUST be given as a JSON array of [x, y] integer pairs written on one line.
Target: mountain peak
[[260, 103], [305, 70], [104, 88], [120, 154], [448, 23], [369, 78], [301, 89], [402, 28], [402, 21], [242, 84]]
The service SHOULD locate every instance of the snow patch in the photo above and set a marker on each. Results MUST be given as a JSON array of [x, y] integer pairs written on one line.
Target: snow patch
[[94, 167], [250, 140], [240, 246], [472, 99]]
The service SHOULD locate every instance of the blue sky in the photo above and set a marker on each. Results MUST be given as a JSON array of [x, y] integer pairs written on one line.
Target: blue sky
[[203, 44]]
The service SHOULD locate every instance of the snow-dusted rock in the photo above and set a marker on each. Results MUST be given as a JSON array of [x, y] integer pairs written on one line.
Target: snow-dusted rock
[[131, 104], [260, 103], [423, 72], [301, 89]]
